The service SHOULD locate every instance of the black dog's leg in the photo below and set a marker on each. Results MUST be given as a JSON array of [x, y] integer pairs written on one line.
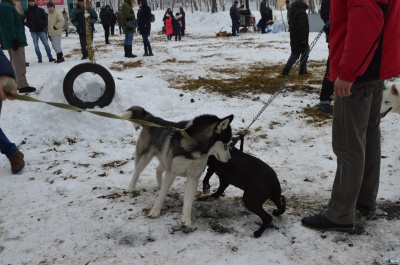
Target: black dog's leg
[[280, 203], [206, 180], [255, 206], [223, 184]]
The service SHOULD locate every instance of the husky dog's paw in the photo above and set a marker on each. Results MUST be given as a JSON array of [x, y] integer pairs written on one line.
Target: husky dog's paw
[[186, 221], [154, 213]]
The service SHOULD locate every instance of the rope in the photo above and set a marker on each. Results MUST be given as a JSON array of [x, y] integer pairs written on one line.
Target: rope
[[105, 114]]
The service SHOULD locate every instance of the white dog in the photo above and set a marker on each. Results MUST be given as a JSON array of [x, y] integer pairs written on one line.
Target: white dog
[[390, 101]]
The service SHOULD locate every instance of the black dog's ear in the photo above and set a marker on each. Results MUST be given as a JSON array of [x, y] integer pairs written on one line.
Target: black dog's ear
[[224, 123]]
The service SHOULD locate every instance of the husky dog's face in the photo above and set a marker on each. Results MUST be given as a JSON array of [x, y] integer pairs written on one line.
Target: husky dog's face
[[221, 147], [391, 101]]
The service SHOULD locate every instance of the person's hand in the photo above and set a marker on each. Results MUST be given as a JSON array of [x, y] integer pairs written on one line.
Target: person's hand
[[342, 88], [6, 94], [54, 27], [15, 45]]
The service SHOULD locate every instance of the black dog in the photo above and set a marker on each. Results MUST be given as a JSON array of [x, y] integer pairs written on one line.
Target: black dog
[[258, 181]]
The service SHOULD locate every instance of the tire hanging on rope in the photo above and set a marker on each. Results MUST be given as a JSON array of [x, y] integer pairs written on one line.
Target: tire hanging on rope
[[91, 67]]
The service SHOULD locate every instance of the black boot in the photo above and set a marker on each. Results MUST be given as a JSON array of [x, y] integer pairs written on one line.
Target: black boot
[[107, 42], [146, 53], [128, 52], [150, 52], [303, 71], [285, 71], [60, 58]]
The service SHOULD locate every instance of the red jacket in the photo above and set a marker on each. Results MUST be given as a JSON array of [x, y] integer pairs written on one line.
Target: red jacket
[[364, 39]]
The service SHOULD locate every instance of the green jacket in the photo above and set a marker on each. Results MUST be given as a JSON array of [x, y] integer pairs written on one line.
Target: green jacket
[[77, 18], [11, 27], [127, 13]]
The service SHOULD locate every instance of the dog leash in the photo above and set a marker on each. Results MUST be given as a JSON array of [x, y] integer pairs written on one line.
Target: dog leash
[[105, 114], [286, 80]]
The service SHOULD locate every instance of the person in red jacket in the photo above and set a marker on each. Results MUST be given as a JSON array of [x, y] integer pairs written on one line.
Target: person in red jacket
[[364, 43], [168, 18]]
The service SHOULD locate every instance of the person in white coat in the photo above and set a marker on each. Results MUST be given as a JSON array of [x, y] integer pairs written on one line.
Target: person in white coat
[[55, 26]]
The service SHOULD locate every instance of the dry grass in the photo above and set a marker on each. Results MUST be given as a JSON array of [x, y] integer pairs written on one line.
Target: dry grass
[[121, 65]]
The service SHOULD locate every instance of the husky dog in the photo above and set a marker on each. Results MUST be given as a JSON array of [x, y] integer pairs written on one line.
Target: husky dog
[[177, 155], [391, 101]]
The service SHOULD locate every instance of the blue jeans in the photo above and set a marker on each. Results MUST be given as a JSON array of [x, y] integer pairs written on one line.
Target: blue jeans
[[146, 41], [6, 147], [43, 38], [128, 39], [234, 27]]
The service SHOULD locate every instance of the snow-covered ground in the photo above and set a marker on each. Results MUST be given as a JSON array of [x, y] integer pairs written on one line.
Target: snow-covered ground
[[68, 206]]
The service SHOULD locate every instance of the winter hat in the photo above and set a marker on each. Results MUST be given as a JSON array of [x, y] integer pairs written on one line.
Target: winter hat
[[50, 4]]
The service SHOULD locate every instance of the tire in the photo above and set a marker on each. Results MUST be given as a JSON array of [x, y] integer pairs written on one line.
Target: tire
[[68, 86]]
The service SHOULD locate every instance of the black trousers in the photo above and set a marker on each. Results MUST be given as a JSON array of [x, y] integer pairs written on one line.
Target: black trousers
[[263, 22], [327, 86], [106, 28], [112, 28], [82, 40]]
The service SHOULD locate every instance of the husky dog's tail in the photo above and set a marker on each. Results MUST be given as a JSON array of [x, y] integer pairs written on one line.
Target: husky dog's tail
[[137, 113]]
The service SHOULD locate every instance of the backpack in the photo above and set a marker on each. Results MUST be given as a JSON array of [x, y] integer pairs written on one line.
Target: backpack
[[153, 17]]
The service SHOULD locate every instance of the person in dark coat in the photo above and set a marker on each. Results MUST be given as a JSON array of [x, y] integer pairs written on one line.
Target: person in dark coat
[[183, 26], [177, 26], [235, 16], [36, 21], [8, 86], [264, 14], [325, 96], [113, 21], [106, 17], [299, 31], [144, 25], [77, 17]]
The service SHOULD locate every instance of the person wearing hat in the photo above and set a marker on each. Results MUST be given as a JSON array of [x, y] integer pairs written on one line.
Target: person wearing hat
[[36, 21], [144, 25], [55, 25], [14, 40], [78, 20], [234, 13]]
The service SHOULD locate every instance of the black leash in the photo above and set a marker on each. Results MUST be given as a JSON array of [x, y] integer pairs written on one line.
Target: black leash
[[286, 79]]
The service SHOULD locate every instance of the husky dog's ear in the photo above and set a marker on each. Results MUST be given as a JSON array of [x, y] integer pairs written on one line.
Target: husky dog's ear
[[224, 123], [394, 90]]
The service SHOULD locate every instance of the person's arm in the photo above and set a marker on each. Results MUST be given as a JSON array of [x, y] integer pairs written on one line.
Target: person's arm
[[93, 16], [60, 21]]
